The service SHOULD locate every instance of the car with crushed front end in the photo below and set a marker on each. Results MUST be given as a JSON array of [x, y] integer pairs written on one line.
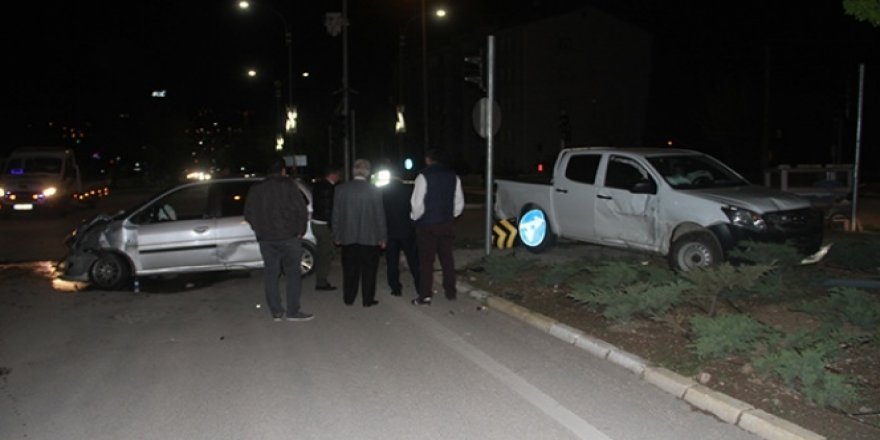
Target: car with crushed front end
[[192, 227]]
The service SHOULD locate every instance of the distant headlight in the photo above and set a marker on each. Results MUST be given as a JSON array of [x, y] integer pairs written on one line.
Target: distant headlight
[[745, 218], [50, 191], [199, 175], [382, 178], [2, 192]]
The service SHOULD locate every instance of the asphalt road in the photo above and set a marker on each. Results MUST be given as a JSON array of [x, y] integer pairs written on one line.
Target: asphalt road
[[199, 358]]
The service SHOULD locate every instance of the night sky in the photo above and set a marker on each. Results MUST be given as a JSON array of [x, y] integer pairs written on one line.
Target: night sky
[[78, 61]]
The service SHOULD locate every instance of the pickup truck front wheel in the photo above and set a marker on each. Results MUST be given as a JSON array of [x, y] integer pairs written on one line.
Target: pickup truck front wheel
[[694, 250], [109, 272], [534, 230]]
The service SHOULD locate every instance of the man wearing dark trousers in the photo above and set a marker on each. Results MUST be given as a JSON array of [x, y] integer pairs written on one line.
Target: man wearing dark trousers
[[278, 214], [436, 201], [401, 233], [359, 227], [322, 214]]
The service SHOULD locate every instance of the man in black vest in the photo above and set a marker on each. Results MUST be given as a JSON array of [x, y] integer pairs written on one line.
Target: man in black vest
[[436, 201]]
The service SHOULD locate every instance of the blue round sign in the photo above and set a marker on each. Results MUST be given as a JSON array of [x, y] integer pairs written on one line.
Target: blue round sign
[[532, 228]]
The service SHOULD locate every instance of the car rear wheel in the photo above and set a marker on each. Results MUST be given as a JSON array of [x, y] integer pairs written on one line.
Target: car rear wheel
[[694, 250], [308, 260], [110, 272]]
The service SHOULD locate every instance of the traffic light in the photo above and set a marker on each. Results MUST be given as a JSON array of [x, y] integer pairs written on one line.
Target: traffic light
[[475, 74]]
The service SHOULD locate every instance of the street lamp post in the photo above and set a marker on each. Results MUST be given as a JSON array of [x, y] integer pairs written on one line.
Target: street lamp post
[[439, 13], [288, 43]]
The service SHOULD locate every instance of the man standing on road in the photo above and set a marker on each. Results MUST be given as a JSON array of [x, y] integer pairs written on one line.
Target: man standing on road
[[401, 233], [359, 227], [277, 213], [322, 214], [437, 200]]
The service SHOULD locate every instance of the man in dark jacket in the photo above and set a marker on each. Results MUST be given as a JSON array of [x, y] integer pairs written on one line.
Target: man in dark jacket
[[436, 201], [359, 227], [401, 233], [322, 213], [277, 213]]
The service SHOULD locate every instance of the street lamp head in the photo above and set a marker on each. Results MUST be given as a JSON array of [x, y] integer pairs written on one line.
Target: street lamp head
[[440, 13], [244, 4], [251, 73]]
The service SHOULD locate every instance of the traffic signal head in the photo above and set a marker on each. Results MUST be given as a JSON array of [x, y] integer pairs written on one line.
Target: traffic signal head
[[475, 74]]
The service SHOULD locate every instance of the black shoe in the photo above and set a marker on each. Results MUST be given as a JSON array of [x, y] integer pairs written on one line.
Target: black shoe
[[371, 303], [451, 297], [426, 301], [326, 287], [396, 293], [300, 316]]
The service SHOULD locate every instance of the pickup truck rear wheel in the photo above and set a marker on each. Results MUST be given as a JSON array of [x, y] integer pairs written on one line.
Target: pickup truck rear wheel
[[694, 250], [110, 272], [534, 230]]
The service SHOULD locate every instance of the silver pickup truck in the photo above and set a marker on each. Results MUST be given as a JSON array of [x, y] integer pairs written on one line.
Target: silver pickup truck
[[682, 204]]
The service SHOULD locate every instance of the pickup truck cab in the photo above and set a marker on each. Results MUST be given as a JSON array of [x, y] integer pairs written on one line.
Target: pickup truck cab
[[682, 204], [45, 177]]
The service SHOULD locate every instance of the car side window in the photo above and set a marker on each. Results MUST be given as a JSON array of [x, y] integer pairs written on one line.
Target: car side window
[[188, 203], [230, 197], [624, 173], [582, 168]]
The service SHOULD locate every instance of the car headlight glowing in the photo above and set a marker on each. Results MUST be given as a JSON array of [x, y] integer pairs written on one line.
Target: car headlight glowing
[[382, 178], [745, 218], [50, 191]]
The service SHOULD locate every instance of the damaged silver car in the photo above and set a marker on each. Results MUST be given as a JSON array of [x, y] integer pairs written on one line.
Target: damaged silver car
[[194, 227]]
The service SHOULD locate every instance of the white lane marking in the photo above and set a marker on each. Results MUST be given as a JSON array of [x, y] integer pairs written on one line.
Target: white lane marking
[[550, 406]]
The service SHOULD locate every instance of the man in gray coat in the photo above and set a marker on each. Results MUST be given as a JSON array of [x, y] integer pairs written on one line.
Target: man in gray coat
[[359, 227]]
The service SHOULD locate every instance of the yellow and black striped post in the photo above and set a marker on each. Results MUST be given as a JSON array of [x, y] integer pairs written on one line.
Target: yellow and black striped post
[[504, 234]]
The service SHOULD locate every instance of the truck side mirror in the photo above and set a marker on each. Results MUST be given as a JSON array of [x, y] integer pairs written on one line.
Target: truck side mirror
[[644, 187]]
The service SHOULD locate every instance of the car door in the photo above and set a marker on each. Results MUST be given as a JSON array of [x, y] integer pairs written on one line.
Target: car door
[[236, 243], [625, 215], [175, 232], [574, 195]]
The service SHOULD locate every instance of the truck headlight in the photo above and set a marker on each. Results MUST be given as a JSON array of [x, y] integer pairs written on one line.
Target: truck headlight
[[49, 192], [745, 218]]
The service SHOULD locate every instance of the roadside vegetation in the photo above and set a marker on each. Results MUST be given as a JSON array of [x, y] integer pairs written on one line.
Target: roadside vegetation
[[811, 330]]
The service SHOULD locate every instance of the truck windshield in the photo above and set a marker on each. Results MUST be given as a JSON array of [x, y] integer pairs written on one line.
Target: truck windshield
[[33, 165], [694, 171]]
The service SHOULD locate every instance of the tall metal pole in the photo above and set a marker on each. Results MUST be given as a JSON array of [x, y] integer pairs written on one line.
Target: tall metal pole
[[346, 144], [855, 201], [490, 137], [425, 77]]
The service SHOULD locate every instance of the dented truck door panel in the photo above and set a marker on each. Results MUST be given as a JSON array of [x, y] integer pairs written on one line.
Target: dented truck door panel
[[622, 216]]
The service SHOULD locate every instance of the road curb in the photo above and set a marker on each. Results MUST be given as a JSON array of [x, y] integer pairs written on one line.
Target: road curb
[[726, 408]]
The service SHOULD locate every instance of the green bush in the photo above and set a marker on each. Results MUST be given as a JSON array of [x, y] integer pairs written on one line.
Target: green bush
[[561, 273], [723, 282], [624, 303], [614, 274], [846, 304], [725, 335], [806, 370]]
